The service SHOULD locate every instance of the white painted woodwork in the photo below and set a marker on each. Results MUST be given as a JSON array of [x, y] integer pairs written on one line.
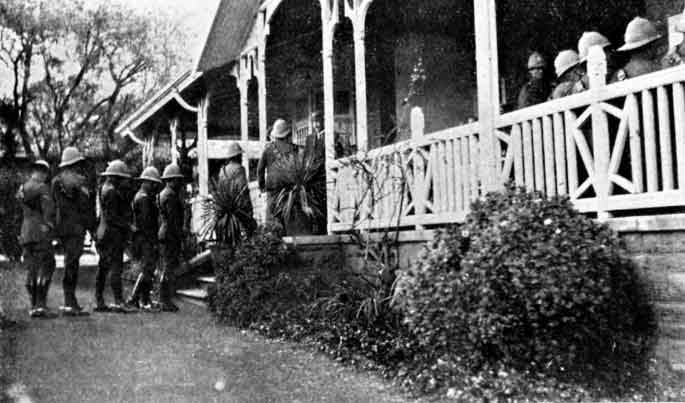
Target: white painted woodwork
[[666, 149], [679, 124], [539, 168], [649, 130], [528, 164], [559, 153], [202, 146], [548, 144]]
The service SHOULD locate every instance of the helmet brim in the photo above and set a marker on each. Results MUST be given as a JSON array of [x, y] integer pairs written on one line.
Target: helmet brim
[[142, 178], [166, 177], [71, 162], [567, 69], [639, 44], [119, 175]]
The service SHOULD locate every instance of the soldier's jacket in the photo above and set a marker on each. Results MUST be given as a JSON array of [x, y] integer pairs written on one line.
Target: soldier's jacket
[[170, 216], [634, 68], [145, 216], [115, 215], [274, 151], [564, 89], [39, 213], [74, 210], [234, 172], [533, 93]]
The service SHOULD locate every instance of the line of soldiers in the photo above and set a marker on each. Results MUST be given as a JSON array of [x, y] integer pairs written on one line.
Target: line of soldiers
[[645, 49], [64, 210]]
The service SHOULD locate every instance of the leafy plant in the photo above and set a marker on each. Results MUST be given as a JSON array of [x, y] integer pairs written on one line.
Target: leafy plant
[[301, 189], [227, 212], [10, 211]]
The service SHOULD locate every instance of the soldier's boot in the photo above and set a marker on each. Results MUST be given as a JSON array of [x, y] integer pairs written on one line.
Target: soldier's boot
[[43, 288], [31, 289], [165, 294]]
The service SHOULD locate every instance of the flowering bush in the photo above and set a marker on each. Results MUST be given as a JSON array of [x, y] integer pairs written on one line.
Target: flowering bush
[[531, 283]]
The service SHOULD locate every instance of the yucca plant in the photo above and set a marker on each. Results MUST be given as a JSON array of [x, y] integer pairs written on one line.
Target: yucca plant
[[301, 188], [227, 212]]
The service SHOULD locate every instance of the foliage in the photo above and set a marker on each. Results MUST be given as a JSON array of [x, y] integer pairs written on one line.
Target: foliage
[[530, 283], [76, 69], [301, 187], [10, 210], [252, 277], [227, 212]]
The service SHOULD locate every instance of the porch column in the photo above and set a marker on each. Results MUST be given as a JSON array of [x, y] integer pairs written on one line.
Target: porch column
[[173, 129], [597, 72], [261, 78], [329, 19], [357, 14], [244, 130], [487, 67], [202, 149]]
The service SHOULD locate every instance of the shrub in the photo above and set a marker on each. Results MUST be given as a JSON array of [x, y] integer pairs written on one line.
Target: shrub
[[531, 283], [10, 288], [252, 279], [10, 211], [227, 213]]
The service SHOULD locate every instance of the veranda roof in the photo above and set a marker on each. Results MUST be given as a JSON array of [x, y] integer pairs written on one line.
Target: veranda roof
[[230, 29]]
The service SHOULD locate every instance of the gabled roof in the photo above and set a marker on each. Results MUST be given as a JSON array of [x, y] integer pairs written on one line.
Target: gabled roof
[[230, 29], [155, 103]]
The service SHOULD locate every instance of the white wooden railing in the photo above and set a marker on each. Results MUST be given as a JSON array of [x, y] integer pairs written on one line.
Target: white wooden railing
[[617, 147]]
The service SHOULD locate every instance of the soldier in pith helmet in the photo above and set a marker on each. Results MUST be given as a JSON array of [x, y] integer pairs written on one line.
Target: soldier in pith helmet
[[569, 73], [170, 234], [111, 236], [587, 41], [74, 214], [36, 237], [233, 176], [645, 46], [145, 228], [537, 89]]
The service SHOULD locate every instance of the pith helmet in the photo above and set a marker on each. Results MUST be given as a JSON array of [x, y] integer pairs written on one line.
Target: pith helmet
[[41, 164], [639, 32], [172, 171], [588, 40], [536, 61], [234, 149], [116, 168], [70, 156], [566, 60], [150, 174], [280, 130]]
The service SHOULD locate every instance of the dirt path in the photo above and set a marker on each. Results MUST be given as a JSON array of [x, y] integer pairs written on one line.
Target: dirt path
[[168, 358]]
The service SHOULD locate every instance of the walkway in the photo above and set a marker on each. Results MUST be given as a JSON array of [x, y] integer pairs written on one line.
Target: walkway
[[169, 358]]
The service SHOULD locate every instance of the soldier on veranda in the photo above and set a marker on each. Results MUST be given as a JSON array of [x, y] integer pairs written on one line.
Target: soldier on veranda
[[645, 47]]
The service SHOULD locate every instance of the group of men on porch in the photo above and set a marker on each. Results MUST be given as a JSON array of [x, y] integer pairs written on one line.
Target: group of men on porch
[[64, 210], [645, 48]]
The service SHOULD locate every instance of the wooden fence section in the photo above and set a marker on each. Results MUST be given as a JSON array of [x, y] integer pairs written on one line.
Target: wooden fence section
[[413, 183], [614, 149]]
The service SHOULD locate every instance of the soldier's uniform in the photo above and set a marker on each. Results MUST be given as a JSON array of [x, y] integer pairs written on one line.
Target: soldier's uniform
[[277, 150], [234, 173], [640, 36], [74, 214], [170, 235], [566, 66], [672, 59], [145, 229], [536, 90], [36, 240], [112, 234]]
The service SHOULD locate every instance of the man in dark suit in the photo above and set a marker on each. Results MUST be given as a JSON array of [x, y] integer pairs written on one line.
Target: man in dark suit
[[75, 213], [36, 237], [145, 228], [170, 233], [111, 236]]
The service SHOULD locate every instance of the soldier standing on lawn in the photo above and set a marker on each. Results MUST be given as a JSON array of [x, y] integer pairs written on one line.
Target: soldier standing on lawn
[[75, 213], [112, 234], [145, 228], [170, 233], [36, 237]]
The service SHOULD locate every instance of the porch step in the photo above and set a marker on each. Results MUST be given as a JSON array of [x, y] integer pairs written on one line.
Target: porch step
[[193, 293]]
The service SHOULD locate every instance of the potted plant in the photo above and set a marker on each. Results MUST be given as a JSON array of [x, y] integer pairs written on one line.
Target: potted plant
[[301, 191]]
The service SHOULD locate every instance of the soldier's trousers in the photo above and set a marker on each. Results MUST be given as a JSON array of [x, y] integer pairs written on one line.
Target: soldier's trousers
[[39, 260], [170, 252], [73, 248], [111, 263], [147, 261]]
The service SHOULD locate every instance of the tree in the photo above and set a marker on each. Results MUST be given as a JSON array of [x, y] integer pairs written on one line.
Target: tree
[[89, 66]]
